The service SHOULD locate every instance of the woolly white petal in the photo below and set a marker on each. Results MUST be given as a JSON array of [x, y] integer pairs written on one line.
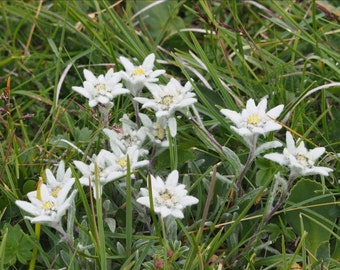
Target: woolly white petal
[[317, 152], [232, 115], [276, 111], [262, 106], [89, 76], [126, 63], [28, 207], [172, 126], [144, 201], [149, 62], [189, 200], [250, 106], [81, 91], [268, 145], [290, 143], [82, 167], [276, 157], [172, 179], [177, 213]]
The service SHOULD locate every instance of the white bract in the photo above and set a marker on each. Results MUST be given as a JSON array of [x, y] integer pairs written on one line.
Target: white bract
[[167, 99], [156, 131], [169, 197], [46, 208], [136, 77], [254, 120], [129, 135], [299, 159], [102, 89]]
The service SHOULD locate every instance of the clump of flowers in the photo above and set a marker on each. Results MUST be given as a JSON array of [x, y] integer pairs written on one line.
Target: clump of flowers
[[129, 151], [169, 197]]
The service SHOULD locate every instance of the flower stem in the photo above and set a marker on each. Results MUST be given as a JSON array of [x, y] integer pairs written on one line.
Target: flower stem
[[268, 217], [65, 237], [173, 151], [37, 229], [281, 199], [165, 244], [128, 210], [35, 249], [200, 125], [247, 165]]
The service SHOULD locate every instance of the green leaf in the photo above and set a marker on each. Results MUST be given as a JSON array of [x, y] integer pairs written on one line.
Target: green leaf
[[323, 251], [29, 185], [18, 246], [310, 210], [262, 176]]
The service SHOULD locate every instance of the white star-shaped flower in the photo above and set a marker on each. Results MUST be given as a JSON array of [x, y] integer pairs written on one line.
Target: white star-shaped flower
[[108, 166], [254, 120], [55, 184], [121, 158], [129, 135], [156, 131], [137, 76], [169, 197], [167, 99], [101, 169], [46, 208], [299, 159], [101, 89]]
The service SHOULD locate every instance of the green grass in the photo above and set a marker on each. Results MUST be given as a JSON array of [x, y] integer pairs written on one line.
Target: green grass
[[232, 51]]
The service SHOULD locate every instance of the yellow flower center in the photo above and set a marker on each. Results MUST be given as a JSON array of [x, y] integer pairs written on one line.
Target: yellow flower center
[[167, 100], [301, 158], [306, 161], [158, 131], [167, 199], [48, 205], [138, 71], [100, 89], [254, 119], [166, 196], [161, 133], [55, 191], [122, 161]]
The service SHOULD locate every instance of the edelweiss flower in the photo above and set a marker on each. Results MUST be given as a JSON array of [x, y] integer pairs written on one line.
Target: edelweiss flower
[[156, 131], [55, 184], [137, 76], [129, 135], [169, 197], [254, 120], [167, 99], [299, 159], [100, 169], [107, 166], [102, 89], [120, 160], [46, 208]]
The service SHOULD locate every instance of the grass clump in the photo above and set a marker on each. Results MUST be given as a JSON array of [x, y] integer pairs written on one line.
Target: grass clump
[[169, 135]]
